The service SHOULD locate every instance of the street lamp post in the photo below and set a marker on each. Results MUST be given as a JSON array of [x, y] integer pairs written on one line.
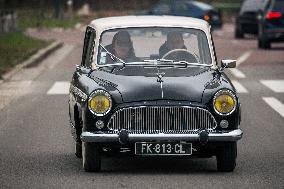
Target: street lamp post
[[70, 8]]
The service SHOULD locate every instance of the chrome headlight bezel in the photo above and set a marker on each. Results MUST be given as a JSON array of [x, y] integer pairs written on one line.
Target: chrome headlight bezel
[[226, 92], [96, 93]]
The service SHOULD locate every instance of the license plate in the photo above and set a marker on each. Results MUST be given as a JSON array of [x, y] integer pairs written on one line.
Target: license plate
[[155, 148]]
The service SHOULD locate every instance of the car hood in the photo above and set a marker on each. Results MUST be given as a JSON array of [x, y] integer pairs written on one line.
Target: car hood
[[143, 87]]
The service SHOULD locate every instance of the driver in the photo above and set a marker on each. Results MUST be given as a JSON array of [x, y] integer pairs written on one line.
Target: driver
[[174, 41], [122, 47]]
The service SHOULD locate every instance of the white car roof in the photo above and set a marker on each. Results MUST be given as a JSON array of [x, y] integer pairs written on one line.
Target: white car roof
[[103, 24]]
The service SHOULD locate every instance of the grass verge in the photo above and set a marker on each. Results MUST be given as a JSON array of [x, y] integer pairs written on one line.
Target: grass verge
[[16, 47]]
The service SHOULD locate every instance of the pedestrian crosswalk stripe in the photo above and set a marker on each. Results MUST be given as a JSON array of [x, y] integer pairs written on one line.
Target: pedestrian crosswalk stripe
[[275, 85], [237, 73], [243, 58], [59, 88], [239, 87], [60, 55], [275, 104]]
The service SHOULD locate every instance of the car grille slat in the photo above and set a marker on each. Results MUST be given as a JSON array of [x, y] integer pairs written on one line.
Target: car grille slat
[[162, 119]]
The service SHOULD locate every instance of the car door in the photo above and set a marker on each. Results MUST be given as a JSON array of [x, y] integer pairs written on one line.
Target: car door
[[78, 84]]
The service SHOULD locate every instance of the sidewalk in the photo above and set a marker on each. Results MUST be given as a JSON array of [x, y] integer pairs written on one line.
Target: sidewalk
[[69, 36]]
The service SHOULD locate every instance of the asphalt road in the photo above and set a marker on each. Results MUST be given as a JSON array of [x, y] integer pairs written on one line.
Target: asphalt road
[[37, 151]]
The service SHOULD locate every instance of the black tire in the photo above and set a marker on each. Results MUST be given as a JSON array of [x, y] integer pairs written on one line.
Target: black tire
[[238, 33], [91, 157], [78, 149], [226, 157], [263, 43]]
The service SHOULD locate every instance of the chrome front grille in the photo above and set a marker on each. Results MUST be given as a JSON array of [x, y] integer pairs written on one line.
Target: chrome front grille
[[162, 119]]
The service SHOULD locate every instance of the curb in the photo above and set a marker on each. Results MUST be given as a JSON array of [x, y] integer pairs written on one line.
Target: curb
[[33, 60]]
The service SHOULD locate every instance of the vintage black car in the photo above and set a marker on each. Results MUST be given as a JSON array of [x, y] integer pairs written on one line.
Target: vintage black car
[[150, 86]]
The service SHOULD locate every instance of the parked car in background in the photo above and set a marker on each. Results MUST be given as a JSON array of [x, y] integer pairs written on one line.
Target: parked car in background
[[188, 8], [271, 23], [151, 86], [246, 20]]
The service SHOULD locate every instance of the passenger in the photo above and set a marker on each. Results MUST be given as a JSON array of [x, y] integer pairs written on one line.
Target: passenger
[[174, 41], [122, 47]]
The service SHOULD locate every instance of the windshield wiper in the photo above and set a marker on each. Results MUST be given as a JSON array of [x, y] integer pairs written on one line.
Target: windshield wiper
[[172, 63], [186, 64], [112, 56], [159, 61]]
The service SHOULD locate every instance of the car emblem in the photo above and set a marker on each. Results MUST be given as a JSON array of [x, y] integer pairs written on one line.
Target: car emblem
[[160, 80], [160, 76]]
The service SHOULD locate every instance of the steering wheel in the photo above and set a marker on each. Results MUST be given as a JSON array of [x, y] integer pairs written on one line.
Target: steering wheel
[[181, 54]]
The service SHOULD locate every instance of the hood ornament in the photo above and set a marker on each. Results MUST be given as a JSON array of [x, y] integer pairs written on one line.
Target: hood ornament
[[160, 76], [160, 80]]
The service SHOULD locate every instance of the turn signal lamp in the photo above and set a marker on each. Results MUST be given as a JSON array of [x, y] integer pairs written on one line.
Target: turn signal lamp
[[100, 103], [224, 102], [206, 17]]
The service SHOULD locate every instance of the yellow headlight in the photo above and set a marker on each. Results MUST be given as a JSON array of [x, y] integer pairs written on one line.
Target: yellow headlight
[[100, 103], [224, 102]]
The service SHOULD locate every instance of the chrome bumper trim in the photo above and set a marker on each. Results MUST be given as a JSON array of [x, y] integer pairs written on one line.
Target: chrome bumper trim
[[212, 137]]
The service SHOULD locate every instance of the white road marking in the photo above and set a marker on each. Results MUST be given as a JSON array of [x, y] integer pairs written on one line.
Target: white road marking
[[243, 58], [237, 73], [275, 85], [78, 25], [59, 55], [239, 87], [82, 29], [219, 33], [59, 88], [235, 41], [275, 104], [11, 90]]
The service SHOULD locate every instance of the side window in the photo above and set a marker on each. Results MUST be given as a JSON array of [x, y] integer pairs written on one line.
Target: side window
[[253, 5], [187, 9], [181, 7], [88, 48], [278, 6]]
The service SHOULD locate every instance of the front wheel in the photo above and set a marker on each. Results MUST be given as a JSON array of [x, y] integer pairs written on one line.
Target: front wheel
[[78, 149], [226, 157], [91, 157]]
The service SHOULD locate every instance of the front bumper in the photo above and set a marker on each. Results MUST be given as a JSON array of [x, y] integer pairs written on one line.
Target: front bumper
[[203, 137]]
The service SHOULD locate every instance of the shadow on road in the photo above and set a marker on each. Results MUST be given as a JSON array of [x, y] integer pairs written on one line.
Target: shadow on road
[[158, 165]]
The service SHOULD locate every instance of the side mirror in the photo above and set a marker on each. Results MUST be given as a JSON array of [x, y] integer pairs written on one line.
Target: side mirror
[[228, 64], [82, 70], [259, 14]]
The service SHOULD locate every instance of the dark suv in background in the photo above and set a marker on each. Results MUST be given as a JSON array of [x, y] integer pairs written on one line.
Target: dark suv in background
[[271, 23], [247, 21], [187, 8]]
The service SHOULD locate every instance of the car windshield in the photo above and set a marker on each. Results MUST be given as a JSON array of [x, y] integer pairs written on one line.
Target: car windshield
[[153, 44], [279, 6], [252, 5]]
